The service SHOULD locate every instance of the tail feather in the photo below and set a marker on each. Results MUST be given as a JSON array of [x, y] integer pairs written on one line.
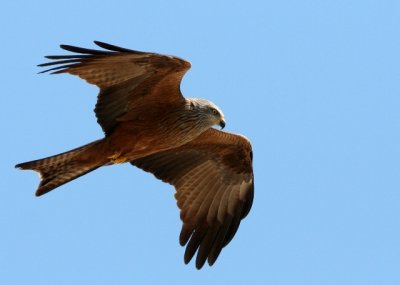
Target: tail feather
[[59, 169]]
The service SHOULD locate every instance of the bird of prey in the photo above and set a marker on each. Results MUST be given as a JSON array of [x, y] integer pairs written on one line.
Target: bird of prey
[[148, 123]]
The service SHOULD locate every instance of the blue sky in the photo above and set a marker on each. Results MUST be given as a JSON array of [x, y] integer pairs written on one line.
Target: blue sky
[[314, 84]]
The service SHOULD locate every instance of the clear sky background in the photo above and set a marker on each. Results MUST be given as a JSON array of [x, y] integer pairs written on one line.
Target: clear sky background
[[315, 85]]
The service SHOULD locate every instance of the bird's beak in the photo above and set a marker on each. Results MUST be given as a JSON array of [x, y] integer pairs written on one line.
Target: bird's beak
[[222, 124]]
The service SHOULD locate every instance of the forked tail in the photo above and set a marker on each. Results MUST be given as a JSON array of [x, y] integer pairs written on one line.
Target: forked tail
[[59, 169]]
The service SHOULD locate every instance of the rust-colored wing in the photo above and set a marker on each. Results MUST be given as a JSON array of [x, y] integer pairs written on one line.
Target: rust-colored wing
[[213, 177], [127, 79]]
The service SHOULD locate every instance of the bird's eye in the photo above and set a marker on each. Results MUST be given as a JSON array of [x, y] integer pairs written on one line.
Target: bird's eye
[[215, 112]]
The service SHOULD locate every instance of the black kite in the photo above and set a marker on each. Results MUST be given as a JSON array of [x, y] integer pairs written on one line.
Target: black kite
[[148, 123]]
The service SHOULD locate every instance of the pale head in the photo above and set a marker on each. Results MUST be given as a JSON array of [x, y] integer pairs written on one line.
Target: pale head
[[208, 113]]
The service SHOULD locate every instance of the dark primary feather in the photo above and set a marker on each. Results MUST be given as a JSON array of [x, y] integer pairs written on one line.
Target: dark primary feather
[[82, 54], [62, 57], [83, 50], [58, 62], [116, 48], [214, 189]]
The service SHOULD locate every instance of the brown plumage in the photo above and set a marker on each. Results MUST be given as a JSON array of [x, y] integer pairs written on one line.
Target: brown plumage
[[148, 123]]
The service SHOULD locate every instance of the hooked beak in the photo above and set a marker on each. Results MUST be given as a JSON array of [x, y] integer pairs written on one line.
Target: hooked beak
[[222, 124]]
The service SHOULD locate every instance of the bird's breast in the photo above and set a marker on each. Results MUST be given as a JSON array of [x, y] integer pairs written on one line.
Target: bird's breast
[[130, 142]]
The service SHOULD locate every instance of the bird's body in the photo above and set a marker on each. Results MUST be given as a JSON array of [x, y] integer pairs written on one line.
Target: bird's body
[[148, 123], [135, 138]]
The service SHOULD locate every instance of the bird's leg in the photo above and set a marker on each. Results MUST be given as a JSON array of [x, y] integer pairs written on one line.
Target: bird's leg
[[117, 157]]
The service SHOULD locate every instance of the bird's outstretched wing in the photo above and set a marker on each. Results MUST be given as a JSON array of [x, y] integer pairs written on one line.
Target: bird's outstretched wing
[[213, 177], [127, 79]]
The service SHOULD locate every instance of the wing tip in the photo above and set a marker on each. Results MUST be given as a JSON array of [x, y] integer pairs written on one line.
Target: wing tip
[[200, 262], [41, 191], [114, 48], [24, 166]]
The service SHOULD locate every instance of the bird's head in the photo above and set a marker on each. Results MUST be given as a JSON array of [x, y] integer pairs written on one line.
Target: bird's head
[[207, 111]]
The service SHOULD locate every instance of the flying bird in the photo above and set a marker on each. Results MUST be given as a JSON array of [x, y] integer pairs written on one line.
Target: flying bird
[[148, 123]]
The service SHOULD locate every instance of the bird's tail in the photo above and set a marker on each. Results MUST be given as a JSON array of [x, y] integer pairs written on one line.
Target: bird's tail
[[59, 169]]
